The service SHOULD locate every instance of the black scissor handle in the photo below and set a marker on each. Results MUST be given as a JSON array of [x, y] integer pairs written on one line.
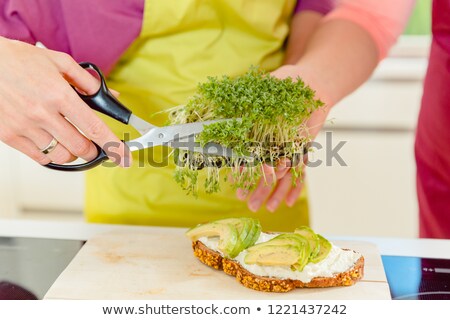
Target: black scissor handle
[[101, 157], [102, 101]]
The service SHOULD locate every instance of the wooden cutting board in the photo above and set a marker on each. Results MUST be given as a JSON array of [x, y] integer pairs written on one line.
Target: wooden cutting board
[[149, 264]]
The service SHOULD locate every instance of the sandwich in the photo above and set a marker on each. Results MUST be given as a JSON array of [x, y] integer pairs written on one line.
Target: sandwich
[[274, 262]]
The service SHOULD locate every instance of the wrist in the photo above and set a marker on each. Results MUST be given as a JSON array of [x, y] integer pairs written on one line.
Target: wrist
[[311, 78]]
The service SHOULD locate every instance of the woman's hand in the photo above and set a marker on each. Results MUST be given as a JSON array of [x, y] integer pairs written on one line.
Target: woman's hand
[[38, 104], [278, 186]]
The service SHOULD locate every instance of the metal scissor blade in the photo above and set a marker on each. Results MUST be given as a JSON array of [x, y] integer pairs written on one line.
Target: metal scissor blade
[[140, 125], [158, 136], [187, 143], [180, 131]]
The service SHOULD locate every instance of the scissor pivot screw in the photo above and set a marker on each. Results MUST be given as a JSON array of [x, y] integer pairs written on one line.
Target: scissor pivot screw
[[161, 135]]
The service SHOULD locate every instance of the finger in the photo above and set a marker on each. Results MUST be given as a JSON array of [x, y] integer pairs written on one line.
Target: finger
[[115, 93], [280, 193], [96, 130], [281, 170], [283, 167], [316, 121], [75, 74], [242, 194], [269, 175], [29, 148], [67, 135], [59, 155], [294, 193], [263, 189]]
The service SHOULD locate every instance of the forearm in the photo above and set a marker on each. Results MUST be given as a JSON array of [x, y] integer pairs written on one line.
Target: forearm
[[306, 19], [303, 26], [346, 48], [338, 58]]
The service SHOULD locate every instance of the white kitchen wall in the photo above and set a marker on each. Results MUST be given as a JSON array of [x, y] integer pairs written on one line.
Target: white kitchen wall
[[8, 185], [373, 196], [44, 190]]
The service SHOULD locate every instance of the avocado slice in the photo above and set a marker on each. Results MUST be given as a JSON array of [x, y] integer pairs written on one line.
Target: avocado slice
[[292, 241], [274, 255], [302, 261], [284, 239], [244, 229], [305, 253], [312, 238], [249, 238], [325, 248], [248, 231], [228, 235]]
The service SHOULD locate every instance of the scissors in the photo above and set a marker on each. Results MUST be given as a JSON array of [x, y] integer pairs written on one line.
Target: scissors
[[181, 136]]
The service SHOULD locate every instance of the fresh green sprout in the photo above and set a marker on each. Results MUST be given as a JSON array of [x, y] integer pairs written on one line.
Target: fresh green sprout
[[273, 115]]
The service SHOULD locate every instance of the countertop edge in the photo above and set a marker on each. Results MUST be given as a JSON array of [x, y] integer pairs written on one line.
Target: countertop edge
[[427, 248]]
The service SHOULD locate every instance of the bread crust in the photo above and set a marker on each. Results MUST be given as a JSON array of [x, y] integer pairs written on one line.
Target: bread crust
[[215, 260]]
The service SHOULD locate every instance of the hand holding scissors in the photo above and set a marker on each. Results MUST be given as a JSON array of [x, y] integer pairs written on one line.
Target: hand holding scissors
[[176, 136], [41, 115]]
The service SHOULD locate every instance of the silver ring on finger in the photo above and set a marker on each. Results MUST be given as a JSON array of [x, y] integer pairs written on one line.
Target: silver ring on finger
[[51, 146]]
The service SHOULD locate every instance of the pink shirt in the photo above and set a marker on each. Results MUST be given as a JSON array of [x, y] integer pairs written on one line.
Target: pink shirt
[[432, 146], [82, 28], [384, 20], [90, 30]]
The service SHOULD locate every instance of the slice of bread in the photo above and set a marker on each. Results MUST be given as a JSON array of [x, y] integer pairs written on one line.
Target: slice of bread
[[215, 260]]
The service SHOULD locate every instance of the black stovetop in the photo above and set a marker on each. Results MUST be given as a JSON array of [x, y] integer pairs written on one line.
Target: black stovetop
[[413, 278], [28, 267]]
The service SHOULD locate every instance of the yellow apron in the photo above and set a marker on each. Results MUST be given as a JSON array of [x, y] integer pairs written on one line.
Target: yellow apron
[[183, 42]]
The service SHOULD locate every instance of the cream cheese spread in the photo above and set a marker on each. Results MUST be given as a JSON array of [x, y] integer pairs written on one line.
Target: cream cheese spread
[[337, 261]]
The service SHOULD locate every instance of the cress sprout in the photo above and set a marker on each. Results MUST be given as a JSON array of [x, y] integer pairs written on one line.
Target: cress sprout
[[273, 115]]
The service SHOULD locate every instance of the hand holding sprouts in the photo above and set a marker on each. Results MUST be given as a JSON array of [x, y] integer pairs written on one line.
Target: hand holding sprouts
[[273, 114]]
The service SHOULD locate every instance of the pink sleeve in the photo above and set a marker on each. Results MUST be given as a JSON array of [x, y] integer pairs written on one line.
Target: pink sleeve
[[98, 31], [320, 6], [384, 20], [18, 17]]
